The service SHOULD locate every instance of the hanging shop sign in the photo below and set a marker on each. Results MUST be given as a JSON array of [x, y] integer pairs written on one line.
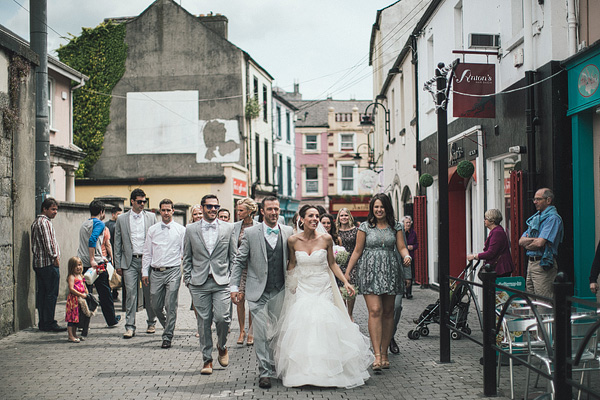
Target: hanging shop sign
[[473, 81], [240, 188], [584, 80]]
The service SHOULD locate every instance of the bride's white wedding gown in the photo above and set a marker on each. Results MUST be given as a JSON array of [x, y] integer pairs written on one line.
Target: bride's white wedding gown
[[317, 343]]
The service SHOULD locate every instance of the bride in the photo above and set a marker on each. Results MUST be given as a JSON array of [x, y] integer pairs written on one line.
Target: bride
[[316, 343]]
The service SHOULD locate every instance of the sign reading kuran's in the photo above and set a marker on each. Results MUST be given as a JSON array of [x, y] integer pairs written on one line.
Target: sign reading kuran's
[[475, 80]]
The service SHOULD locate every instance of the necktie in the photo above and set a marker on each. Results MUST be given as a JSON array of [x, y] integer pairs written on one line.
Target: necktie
[[272, 230]]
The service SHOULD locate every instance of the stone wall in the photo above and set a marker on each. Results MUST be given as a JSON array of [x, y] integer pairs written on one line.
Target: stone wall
[[17, 183]]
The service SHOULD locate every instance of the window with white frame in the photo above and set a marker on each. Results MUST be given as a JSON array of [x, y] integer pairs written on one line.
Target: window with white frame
[[311, 180], [311, 143], [50, 103], [346, 177], [346, 141]]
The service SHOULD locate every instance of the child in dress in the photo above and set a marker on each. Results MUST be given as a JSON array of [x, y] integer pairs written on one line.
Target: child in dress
[[77, 289]]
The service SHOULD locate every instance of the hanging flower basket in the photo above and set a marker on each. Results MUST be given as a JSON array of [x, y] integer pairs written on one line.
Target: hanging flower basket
[[426, 180], [465, 169]]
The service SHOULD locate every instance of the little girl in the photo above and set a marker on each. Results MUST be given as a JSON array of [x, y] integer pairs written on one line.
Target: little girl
[[77, 289]]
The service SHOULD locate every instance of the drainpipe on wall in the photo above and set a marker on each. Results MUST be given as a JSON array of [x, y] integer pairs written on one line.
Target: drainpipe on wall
[[528, 64], [415, 62], [39, 44], [73, 89], [572, 27]]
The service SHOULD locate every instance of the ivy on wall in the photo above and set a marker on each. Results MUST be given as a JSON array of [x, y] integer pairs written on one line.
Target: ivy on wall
[[99, 53], [18, 70]]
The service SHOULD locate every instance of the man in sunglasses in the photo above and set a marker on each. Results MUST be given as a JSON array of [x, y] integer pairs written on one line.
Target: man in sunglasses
[[130, 234], [209, 249]]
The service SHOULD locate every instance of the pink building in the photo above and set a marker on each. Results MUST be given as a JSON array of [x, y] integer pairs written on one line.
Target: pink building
[[64, 155]]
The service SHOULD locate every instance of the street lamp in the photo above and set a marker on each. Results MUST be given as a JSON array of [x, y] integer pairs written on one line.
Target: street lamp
[[367, 122], [371, 156]]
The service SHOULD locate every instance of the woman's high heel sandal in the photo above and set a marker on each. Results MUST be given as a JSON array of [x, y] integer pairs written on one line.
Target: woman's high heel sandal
[[241, 338], [377, 364], [385, 362]]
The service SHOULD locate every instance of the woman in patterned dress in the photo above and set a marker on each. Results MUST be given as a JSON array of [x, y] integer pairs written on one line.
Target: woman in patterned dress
[[347, 232], [380, 276]]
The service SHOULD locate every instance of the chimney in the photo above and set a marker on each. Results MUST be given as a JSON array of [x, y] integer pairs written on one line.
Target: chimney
[[216, 23]]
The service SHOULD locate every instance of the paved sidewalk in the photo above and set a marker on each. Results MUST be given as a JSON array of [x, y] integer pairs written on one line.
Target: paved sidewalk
[[40, 365]]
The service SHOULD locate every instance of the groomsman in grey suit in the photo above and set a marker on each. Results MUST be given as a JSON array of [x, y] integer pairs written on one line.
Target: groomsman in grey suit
[[264, 251], [209, 248], [130, 234]]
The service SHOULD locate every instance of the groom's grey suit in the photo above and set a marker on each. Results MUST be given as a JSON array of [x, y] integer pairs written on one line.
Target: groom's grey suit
[[207, 277], [266, 274]]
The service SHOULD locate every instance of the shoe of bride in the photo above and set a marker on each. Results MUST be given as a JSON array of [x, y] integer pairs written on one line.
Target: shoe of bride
[[377, 364]]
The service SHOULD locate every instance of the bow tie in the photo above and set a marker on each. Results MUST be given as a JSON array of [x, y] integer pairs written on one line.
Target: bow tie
[[272, 230], [136, 216], [165, 226], [209, 226]]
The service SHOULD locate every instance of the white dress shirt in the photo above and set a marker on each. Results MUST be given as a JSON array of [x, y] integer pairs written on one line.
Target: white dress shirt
[[271, 238], [163, 246], [210, 233], [137, 232]]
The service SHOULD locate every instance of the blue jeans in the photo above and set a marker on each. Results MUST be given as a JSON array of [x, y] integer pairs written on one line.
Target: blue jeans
[[47, 280]]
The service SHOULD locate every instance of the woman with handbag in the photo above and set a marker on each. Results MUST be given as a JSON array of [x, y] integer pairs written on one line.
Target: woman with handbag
[[496, 250]]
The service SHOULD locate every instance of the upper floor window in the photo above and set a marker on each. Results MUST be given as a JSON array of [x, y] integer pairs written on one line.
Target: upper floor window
[[256, 88], [311, 179], [265, 102], [51, 103], [346, 175], [311, 142], [347, 142], [279, 122], [288, 127]]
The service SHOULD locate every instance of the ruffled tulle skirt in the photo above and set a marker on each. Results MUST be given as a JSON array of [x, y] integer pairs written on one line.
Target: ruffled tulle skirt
[[317, 343]]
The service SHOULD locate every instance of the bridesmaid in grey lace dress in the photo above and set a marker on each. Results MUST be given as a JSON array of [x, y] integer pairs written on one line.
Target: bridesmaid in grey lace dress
[[380, 276]]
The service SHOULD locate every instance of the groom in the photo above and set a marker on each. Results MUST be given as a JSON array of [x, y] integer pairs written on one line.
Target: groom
[[264, 252]]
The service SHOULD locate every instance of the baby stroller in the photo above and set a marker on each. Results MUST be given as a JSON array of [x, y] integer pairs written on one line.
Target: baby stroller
[[461, 294]]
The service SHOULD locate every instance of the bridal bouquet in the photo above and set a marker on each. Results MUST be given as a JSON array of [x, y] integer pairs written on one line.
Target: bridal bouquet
[[341, 255], [346, 295]]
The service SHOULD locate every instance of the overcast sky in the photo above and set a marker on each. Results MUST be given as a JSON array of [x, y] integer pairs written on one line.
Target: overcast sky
[[322, 44]]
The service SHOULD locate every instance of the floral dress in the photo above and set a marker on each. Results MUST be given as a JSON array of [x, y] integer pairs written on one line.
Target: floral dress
[[379, 270], [348, 242], [72, 314]]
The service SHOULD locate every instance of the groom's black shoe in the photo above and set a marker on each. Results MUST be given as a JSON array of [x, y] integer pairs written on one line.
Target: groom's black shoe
[[394, 347], [264, 382]]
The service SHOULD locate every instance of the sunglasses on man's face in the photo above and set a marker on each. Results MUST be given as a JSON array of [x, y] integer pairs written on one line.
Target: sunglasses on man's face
[[212, 206], [140, 202]]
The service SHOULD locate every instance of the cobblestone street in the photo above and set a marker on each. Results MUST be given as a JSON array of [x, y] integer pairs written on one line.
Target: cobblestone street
[[45, 366]]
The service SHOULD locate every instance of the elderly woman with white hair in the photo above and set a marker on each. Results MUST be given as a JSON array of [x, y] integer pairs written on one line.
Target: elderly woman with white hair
[[496, 250]]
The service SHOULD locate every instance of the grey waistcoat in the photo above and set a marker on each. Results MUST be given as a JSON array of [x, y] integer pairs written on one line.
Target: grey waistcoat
[[275, 279]]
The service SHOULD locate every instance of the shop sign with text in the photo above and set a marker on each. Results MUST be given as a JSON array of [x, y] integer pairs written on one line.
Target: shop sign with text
[[471, 83]]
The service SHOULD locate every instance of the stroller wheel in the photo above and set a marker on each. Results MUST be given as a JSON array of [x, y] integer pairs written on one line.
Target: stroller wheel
[[455, 335], [424, 331], [414, 335], [466, 330]]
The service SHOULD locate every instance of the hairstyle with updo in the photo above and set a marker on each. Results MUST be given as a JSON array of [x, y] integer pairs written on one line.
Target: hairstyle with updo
[[494, 216], [250, 205], [194, 207], [302, 213]]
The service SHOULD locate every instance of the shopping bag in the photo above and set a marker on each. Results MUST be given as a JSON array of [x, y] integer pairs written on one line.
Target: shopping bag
[[90, 276], [115, 281]]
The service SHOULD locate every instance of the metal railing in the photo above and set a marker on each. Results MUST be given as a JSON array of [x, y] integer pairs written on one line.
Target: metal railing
[[558, 344]]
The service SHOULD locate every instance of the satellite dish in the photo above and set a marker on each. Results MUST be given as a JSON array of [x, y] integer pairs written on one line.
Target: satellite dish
[[367, 180]]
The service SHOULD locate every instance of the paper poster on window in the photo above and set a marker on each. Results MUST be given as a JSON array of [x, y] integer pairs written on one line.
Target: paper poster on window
[[471, 83]]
